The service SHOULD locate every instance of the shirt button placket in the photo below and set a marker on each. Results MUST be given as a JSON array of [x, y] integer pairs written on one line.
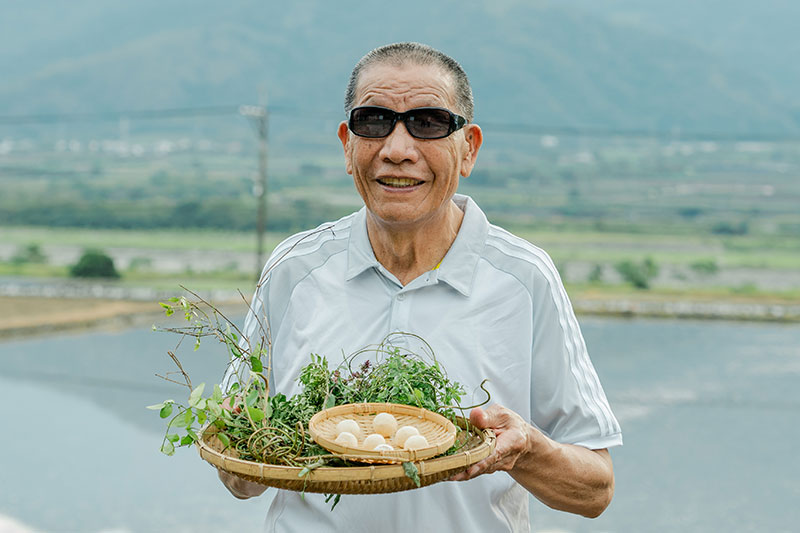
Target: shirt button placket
[[400, 312]]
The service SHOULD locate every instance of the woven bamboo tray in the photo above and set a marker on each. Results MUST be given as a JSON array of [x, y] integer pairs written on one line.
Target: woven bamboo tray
[[438, 431], [368, 479]]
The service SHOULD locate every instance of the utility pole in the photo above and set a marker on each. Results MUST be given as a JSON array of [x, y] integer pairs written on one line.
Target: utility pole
[[258, 116]]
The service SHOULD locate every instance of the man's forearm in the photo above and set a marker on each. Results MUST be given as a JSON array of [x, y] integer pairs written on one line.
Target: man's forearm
[[566, 477], [563, 476]]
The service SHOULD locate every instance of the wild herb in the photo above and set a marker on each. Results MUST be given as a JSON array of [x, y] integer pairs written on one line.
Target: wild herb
[[272, 428]]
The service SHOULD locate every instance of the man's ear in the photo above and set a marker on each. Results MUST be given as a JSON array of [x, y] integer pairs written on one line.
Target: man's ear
[[344, 135], [473, 136]]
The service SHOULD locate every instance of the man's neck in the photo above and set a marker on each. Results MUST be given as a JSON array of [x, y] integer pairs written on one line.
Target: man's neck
[[408, 252]]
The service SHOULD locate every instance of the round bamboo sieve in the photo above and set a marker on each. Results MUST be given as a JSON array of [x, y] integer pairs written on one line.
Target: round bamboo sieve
[[437, 430], [366, 479]]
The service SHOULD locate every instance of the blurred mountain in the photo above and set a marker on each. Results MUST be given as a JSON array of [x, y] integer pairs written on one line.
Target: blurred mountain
[[758, 37], [559, 64]]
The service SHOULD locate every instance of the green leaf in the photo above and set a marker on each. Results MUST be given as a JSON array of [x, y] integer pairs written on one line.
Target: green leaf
[[165, 411], [412, 472], [223, 438], [174, 299], [251, 398], [217, 394], [186, 440], [172, 437], [255, 364], [167, 448], [196, 395], [212, 406], [185, 419], [192, 434], [256, 414], [268, 410], [156, 407], [311, 466], [336, 498], [330, 401], [201, 417]]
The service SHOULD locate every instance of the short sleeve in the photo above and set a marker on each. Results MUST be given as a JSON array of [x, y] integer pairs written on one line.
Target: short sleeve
[[567, 401]]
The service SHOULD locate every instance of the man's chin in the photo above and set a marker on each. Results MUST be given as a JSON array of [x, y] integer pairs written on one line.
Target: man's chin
[[399, 216]]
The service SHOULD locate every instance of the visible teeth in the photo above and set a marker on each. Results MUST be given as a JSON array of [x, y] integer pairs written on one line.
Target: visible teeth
[[399, 182]]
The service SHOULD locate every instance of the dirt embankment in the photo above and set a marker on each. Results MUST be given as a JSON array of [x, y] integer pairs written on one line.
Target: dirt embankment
[[27, 315], [32, 315]]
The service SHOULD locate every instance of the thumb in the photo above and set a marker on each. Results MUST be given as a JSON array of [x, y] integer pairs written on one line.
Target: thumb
[[479, 418]]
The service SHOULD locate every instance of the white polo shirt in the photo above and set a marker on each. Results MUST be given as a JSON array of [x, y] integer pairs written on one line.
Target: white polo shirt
[[495, 308]]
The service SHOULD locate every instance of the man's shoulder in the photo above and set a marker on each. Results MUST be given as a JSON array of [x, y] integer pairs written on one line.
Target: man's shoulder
[[312, 246], [519, 257]]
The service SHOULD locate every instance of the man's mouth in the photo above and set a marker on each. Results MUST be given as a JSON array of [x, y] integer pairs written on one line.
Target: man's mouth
[[399, 182]]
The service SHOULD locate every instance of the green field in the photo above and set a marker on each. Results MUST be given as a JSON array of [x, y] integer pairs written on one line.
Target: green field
[[719, 219]]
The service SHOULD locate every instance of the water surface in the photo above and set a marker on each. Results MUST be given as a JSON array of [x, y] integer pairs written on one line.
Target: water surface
[[710, 413]]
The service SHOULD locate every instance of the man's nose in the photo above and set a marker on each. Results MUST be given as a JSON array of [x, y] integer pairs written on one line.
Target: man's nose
[[399, 145]]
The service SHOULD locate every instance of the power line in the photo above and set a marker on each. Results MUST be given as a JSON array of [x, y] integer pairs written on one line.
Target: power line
[[111, 116], [501, 127], [676, 135]]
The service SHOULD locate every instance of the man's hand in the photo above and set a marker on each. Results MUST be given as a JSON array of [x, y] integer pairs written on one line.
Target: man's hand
[[226, 404], [512, 440], [240, 488], [563, 476]]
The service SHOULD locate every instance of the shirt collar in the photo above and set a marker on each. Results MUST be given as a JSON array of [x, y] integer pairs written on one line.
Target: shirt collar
[[360, 256], [459, 265], [457, 269]]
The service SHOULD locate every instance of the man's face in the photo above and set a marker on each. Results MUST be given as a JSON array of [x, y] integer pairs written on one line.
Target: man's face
[[406, 181]]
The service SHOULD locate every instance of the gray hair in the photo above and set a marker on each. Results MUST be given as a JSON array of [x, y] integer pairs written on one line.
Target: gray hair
[[419, 54]]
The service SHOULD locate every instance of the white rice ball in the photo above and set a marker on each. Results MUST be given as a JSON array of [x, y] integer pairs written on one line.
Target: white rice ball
[[415, 442], [384, 448], [385, 424], [403, 433], [373, 441], [347, 439], [349, 425]]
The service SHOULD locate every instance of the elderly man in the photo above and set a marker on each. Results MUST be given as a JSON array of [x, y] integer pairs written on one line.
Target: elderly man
[[419, 258]]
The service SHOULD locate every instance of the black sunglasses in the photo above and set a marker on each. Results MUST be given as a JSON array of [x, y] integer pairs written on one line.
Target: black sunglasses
[[422, 123]]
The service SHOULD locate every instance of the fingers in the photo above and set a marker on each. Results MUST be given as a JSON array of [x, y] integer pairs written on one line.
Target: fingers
[[240, 488], [509, 429], [495, 417], [477, 418], [226, 404]]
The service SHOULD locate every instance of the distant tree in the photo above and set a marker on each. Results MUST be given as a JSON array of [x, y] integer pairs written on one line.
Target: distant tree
[[729, 228], [94, 264], [706, 267], [638, 274], [31, 253], [690, 212], [596, 275]]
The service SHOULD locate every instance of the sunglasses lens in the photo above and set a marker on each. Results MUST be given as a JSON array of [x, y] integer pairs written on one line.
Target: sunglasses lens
[[371, 121], [428, 123]]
